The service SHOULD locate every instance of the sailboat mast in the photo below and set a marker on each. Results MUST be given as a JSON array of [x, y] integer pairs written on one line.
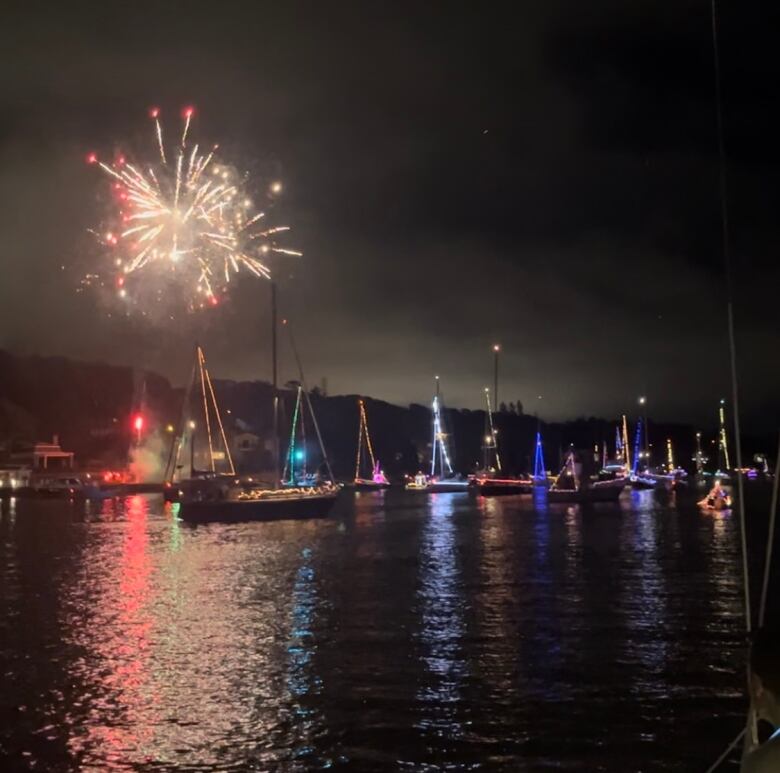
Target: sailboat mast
[[360, 439], [435, 427], [491, 439], [441, 437], [626, 453], [539, 472], [637, 446], [206, 408], [724, 447], [699, 455], [274, 383]]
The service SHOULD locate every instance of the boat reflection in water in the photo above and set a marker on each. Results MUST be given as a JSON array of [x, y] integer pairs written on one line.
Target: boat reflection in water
[[442, 624], [303, 681]]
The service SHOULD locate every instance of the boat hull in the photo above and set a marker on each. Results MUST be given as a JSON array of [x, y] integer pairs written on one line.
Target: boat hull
[[640, 483], [603, 493], [497, 488], [271, 509], [368, 485], [441, 488]]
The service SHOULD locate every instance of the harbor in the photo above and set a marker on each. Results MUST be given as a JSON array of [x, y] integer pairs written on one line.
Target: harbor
[[388, 387]]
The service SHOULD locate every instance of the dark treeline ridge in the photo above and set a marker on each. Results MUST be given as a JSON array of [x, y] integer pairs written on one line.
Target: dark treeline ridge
[[89, 407]]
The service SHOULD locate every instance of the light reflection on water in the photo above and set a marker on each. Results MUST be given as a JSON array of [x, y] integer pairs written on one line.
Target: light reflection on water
[[442, 626], [423, 632]]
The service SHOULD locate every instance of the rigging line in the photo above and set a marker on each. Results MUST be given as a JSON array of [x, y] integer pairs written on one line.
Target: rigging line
[[368, 437], [770, 540], [289, 460], [319, 436], [219, 422], [493, 437], [626, 453], [303, 441], [201, 362], [360, 439], [730, 311], [715, 765], [732, 339], [435, 435], [185, 412], [308, 400]]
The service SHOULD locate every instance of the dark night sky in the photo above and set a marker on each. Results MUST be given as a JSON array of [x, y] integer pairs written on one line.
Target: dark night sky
[[545, 178]]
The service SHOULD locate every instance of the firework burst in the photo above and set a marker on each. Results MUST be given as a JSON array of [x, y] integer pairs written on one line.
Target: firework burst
[[184, 220]]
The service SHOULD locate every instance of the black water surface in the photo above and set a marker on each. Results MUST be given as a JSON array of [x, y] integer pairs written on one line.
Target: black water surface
[[407, 632]]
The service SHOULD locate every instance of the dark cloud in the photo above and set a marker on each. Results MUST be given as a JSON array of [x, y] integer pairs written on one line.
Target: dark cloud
[[545, 177]]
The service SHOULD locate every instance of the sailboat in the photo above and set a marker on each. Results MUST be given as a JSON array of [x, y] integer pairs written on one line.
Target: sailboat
[[620, 464], [540, 473], [671, 474], [638, 479], [224, 497], [489, 481], [445, 481], [570, 486], [218, 469], [296, 465], [377, 481]]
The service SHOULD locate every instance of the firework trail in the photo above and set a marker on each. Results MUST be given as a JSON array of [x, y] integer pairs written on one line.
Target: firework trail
[[183, 220]]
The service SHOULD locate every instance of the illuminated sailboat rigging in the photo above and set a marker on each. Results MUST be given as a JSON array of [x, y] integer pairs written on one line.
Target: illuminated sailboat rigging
[[490, 481], [227, 497], [377, 481], [445, 480]]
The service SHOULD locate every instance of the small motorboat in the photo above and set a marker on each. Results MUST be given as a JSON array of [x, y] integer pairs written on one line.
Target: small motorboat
[[61, 487], [717, 498], [433, 485], [363, 484], [641, 482]]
